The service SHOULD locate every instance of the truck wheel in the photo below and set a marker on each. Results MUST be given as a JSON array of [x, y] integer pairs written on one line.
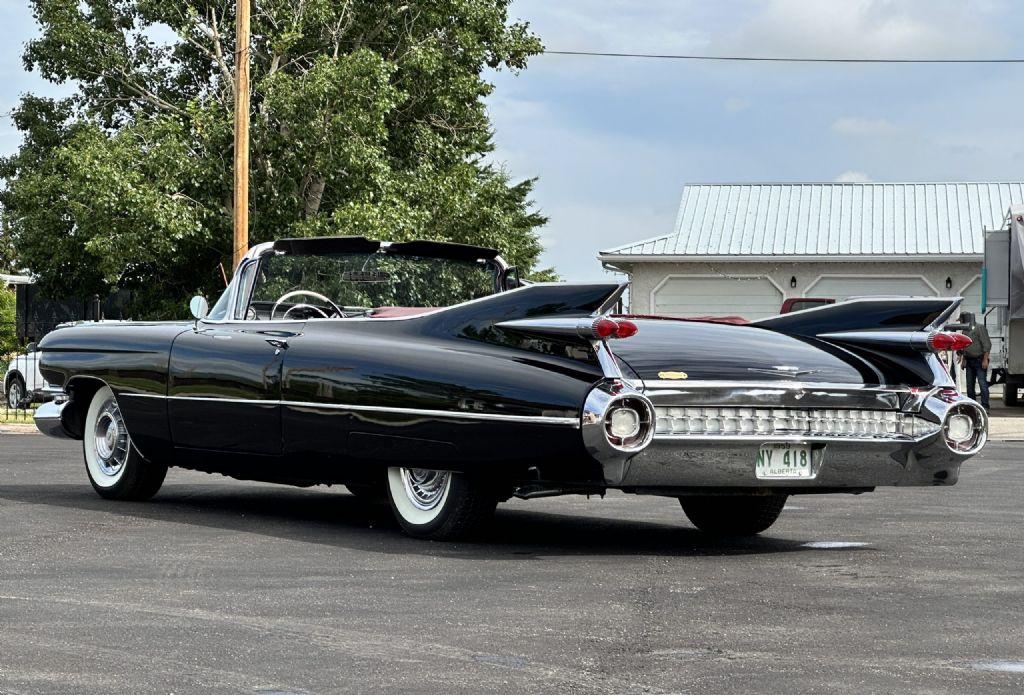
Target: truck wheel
[[1010, 391], [116, 469], [16, 393], [739, 515], [439, 505]]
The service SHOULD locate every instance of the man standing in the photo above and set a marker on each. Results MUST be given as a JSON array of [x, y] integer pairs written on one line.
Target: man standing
[[976, 357]]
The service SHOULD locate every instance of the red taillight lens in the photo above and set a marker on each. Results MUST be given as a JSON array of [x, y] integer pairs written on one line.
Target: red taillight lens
[[625, 329], [605, 328], [948, 341]]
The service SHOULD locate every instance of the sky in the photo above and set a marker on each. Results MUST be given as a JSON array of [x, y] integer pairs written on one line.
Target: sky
[[613, 141]]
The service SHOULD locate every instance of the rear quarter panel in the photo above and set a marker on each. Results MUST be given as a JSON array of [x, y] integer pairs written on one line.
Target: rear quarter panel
[[405, 364]]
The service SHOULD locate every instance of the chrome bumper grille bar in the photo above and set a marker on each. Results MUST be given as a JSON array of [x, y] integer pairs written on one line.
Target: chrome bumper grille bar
[[814, 423]]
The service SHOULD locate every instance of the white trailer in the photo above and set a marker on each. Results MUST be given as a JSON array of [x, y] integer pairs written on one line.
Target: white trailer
[[1003, 301]]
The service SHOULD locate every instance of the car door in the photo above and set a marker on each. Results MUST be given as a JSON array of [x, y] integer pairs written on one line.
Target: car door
[[224, 385], [36, 380]]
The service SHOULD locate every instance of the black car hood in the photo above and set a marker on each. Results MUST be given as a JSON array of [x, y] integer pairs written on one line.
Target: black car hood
[[667, 349]]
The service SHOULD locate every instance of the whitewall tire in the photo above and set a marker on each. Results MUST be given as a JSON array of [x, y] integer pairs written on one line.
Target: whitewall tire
[[115, 468], [440, 505]]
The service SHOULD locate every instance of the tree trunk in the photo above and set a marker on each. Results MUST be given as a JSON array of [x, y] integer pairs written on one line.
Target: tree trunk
[[314, 195]]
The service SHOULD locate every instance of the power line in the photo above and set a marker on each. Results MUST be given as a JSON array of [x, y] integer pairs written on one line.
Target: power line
[[756, 59]]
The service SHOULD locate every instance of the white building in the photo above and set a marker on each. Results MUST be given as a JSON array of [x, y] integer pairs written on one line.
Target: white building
[[741, 249], [12, 280]]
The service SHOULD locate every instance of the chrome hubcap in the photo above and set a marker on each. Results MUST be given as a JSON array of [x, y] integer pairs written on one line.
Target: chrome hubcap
[[110, 440], [14, 395], [425, 488]]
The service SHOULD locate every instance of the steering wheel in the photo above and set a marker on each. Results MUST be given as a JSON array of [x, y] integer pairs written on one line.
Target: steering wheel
[[316, 295]]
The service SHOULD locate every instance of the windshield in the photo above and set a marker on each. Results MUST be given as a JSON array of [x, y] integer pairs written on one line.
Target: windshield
[[355, 284]]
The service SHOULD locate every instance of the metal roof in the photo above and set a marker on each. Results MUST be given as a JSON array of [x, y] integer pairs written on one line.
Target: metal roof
[[835, 220]]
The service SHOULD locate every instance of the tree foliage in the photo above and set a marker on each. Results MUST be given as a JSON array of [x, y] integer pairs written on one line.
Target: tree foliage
[[368, 118], [8, 261], [8, 327]]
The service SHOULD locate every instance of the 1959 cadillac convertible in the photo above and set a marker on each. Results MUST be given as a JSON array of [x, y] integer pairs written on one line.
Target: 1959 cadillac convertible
[[427, 373]]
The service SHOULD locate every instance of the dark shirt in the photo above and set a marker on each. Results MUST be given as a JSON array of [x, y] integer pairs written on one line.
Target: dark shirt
[[981, 342]]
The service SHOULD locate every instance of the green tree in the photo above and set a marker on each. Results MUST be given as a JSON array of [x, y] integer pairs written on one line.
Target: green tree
[[368, 118], [8, 327], [8, 263]]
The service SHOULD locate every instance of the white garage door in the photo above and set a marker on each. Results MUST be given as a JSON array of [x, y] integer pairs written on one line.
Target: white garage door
[[843, 287], [750, 298], [972, 297]]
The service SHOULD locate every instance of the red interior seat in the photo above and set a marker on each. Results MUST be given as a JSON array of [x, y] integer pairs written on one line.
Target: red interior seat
[[390, 312]]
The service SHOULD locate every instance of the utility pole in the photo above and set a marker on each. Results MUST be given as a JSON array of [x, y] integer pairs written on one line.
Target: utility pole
[[241, 202]]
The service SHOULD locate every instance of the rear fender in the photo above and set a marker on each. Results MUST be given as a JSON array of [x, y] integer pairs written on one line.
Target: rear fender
[[894, 331], [549, 318]]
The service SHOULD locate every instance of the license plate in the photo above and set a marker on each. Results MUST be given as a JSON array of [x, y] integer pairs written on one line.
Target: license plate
[[784, 461]]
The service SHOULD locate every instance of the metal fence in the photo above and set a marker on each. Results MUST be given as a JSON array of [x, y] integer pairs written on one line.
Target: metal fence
[[36, 315]]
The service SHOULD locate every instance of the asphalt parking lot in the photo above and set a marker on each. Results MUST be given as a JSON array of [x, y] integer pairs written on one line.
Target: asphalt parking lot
[[222, 586]]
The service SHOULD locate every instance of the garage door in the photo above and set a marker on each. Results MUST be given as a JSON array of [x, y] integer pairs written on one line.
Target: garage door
[[972, 297], [750, 298], [843, 287]]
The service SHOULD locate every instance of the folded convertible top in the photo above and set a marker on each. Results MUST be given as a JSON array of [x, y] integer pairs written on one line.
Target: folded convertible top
[[359, 244]]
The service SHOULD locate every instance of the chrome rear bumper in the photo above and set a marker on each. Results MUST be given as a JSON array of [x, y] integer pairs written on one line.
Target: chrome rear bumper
[[857, 453], [839, 464], [48, 419]]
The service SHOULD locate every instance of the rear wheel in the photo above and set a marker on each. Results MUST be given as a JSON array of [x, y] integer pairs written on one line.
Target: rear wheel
[[739, 515], [439, 505], [1010, 393], [16, 393], [116, 469]]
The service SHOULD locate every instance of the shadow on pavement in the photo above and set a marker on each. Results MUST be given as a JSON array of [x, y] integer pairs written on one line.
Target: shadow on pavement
[[333, 518]]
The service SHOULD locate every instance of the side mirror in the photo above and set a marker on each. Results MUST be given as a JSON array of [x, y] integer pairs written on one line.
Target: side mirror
[[30, 348], [512, 279], [199, 307]]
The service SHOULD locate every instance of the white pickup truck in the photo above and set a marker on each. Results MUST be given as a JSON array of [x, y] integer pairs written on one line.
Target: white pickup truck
[[23, 384]]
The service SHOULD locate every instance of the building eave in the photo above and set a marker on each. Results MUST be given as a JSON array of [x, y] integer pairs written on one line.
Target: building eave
[[808, 258]]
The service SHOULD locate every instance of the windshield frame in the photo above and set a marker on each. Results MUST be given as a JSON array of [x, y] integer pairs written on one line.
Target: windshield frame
[[239, 286]]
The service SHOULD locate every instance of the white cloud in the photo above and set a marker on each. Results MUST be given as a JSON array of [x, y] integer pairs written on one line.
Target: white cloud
[[853, 177], [737, 104], [615, 25], [863, 127], [869, 28], [520, 110]]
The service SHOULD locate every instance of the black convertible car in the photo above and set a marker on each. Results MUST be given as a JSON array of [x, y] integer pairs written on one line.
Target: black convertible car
[[429, 374]]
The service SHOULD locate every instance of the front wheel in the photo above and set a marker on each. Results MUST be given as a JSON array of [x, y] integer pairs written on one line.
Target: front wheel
[[116, 469], [16, 393], [738, 515], [439, 505]]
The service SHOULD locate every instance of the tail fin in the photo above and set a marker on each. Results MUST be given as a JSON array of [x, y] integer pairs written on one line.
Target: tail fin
[[510, 319], [897, 333], [868, 314], [549, 301]]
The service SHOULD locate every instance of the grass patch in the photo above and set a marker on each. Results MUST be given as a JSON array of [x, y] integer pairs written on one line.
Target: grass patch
[[16, 417]]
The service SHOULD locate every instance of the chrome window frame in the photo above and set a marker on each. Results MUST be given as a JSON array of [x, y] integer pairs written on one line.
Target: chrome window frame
[[256, 254]]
